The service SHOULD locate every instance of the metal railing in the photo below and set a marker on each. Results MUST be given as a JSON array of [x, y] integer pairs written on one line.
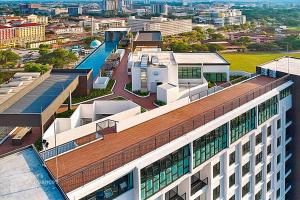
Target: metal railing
[[50, 153], [80, 177], [198, 185]]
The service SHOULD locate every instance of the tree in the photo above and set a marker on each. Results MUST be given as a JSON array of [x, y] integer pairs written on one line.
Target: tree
[[215, 47], [8, 58], [58, 58], [36, 67], [217, 36], [244, 40]]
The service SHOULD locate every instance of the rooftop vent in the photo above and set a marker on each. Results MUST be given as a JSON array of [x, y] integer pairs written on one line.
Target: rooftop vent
[[144, 61], [154, 60]]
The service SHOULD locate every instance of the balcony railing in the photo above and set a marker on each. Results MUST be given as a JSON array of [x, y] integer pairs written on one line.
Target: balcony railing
[[101, 126], [78, 178], [198, 185]]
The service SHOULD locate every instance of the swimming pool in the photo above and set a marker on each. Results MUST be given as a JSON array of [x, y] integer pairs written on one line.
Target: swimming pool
[[97, 58]]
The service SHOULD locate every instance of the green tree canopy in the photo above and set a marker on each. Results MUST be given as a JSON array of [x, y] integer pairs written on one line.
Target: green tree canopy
[[58, 58], [8, 58], [36, 67]]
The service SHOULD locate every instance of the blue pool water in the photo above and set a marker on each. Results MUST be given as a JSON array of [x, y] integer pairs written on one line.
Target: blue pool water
[[97, 58]]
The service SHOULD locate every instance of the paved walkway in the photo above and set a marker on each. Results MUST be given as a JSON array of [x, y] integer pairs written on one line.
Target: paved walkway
[[122, 78]]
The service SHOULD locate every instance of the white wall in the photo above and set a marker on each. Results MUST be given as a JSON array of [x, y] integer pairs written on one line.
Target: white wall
[[193, 90], [167, 95], [136, 78], [69, 129], [100, 83], [162, 76]]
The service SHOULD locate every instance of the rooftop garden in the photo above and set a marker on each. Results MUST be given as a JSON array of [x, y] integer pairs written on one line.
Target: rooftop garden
[[248, 61], [128, 87], [96, 93]]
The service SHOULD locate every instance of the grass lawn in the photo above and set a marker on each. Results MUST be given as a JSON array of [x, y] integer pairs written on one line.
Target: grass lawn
[[5, 76], [294, 28], [95, 93], [248, 61]]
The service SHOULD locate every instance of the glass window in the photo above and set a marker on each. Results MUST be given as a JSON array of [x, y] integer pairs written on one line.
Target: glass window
[[246, 189], [232, 197], [258, 195], [278, 176], [267, 109], [269, 149], [285, 92], [209, 145], [231, 180], [268, 185], [164, 171], [246, 168], [242, 125], [278, 124], [113, 189], [278, 158], [278, 141], [216, 169], [258, 158], [278, 193], [246, 148], [232, 158], [269, 166], [258, 139], [258, 177], [215, 77], [269, 132], [189, 72], [216, 193]]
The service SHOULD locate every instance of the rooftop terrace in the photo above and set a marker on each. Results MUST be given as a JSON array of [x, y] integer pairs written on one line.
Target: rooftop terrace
[[22, 176], [92, 161]]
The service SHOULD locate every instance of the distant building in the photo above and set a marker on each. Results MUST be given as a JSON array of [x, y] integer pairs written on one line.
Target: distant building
[[160, 9], [67, 29], [74, 10], [21, 35], [112, 5], [164, 25], [37, 19], [146, 1], [7, 36], [221, 17], [29, 8]]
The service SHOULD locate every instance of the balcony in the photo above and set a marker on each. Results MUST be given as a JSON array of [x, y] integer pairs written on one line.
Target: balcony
[[198, 184], [173, 195]]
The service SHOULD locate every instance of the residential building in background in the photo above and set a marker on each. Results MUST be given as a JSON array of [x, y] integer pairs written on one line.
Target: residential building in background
[[75, 10], [7, 36], [36, 19], [159, 9], [112, 5], [164, 25], [221, 17], [29, 32], [22, 34]]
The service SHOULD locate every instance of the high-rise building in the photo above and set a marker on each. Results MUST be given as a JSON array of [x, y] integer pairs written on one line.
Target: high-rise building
[[75, 10], [112, 5], [146, 1], [159, 9]]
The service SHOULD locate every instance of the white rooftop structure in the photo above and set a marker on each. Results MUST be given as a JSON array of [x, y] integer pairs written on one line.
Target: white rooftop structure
[[284, 64], [196, 58]]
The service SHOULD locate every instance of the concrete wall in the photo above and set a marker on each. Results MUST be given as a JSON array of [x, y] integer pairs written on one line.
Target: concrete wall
[[167, 95], [155, 75], [136, 78], [68, 129]]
